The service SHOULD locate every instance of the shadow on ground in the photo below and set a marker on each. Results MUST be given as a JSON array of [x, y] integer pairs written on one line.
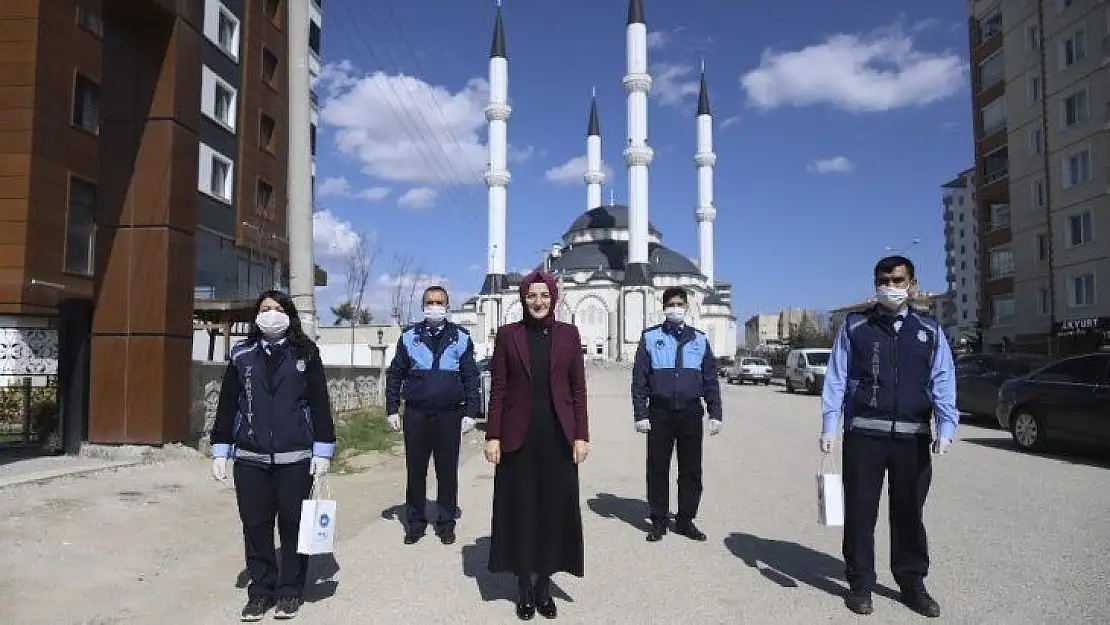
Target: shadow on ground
[[323, 580], [790, 564], [1070, 453], [495, 586], [632, 511], [398, 512]]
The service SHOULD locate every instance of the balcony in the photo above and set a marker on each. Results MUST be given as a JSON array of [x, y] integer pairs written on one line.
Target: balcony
[[314, 98], [949, 215], [950, 277], [950, 263]]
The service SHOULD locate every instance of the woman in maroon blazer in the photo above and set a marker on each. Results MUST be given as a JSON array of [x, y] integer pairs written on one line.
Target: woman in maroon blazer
[[537, 435]]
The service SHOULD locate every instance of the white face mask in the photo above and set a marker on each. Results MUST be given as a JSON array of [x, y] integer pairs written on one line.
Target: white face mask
[[675, 314], [435, 313], [273, 323], [892, 297]]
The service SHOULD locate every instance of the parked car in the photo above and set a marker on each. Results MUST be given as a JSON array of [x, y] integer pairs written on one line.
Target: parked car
[[805, 369], [979, 376], [1066, 400], [483, 367], [754, 370], [724, 363]]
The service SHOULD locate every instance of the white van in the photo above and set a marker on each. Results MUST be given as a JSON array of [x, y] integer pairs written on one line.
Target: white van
[[805, 369]]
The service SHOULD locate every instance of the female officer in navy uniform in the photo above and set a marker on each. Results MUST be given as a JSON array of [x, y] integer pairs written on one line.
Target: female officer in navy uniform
[[274, 418]]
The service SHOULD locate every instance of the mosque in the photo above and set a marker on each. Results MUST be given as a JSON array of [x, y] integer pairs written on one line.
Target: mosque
[[611, 264]]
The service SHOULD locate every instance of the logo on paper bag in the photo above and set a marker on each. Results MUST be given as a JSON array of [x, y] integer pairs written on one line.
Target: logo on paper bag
[[301, 366], [325, 520], [921, 336]]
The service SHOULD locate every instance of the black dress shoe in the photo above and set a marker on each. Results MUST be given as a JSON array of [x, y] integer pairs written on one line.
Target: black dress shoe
[[412, 537], [689, 530], [657, 532], [545, 604], [525, 602], [918, 600], [446, 536], [859, 602]]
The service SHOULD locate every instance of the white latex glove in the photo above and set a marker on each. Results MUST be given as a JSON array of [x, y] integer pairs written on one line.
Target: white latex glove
[[467, 424], [319, 467], [940, 446], [715, 427], [394, 421], [827, 441], [643, 426], [219, 469]]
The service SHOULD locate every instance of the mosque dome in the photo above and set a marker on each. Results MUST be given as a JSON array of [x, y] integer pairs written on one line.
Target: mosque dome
[[612, 217]]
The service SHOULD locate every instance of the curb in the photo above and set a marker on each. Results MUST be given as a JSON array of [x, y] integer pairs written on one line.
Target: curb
[[53, 474]]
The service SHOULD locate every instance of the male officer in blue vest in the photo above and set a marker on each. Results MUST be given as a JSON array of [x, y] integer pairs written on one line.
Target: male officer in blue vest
[[434, 371], [890, 374], [674, 372]]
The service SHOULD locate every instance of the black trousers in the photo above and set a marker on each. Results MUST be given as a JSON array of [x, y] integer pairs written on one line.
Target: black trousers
[[670, 431], [907, 460], [266, 492], [432, 436]]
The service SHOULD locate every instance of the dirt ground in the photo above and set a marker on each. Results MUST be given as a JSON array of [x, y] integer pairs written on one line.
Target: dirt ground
[[144, 543]]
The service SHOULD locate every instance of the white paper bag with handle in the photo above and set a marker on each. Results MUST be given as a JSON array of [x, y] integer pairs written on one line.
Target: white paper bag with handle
[[317, 531], [830, 494]]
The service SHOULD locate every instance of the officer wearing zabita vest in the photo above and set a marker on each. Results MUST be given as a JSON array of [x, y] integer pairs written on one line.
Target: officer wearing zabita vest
[[890, 375], [434, 371], [274, 418], [674, 372]]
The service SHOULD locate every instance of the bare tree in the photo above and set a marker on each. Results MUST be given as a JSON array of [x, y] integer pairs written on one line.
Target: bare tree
[[415, 279], [399, 273], [360, 263]]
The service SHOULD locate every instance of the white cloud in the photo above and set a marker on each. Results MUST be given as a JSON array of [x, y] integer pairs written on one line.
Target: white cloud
[[659, 39], [879, 71], [572, 171], [925, 24], [675, 84], [834, 165], [339, 187], [402, 129], [380, 293], [418, 199], [729, 121], [332, 237]]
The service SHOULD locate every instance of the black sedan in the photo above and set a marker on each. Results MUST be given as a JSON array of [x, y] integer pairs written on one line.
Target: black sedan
[[979, 376], [1067, 400]]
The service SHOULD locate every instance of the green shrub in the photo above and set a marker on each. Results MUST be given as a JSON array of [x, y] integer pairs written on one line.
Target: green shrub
[[359, 432]]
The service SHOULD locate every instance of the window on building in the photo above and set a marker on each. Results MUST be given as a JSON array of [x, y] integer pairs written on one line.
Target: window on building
[[314, 37], [264, 197], [993, 116], [1037, 189], [223, 105], [219, 183], [270, 9], [81, 228], [266, 128], [996, 165], [1080, 228], [1040, 247], [227, 32], [1073, 49], [1002, 311], [1081, 290], [269, 66], [1063, 5], [989, 24], [90, 21], [1044, 301], [1033, 90], [1032, 38], [1076, 108], [312, 138], [1036, 142], [961, 233], [86, 104], [1077, 168], [1001, 262], [1000, 216], [992, 71]]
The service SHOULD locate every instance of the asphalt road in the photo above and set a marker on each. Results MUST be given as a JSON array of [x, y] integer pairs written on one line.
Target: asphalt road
[[1016, 538]]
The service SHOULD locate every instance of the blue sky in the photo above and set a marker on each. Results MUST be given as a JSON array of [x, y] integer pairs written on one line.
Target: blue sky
[[834, 131]]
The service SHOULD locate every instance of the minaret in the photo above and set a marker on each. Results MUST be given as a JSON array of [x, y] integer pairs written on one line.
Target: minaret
[[497, 172], [594, 176], [704, 159], [637, 154]]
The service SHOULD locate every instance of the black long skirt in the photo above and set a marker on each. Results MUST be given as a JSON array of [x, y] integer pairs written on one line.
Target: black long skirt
[[537, 519]]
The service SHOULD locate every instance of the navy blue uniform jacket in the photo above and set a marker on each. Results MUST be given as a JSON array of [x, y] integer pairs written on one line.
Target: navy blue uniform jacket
[[674, 371], [433, 373]]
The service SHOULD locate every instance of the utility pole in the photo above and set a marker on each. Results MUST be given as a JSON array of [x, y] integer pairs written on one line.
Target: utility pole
[[302, 273]]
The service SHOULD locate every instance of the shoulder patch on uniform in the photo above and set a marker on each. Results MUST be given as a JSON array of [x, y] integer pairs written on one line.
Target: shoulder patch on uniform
[[242, 347]]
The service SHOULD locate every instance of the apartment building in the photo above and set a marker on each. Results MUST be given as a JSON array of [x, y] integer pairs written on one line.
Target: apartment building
[[127, 195], [760, 329], [958, 310], [1041, 89]]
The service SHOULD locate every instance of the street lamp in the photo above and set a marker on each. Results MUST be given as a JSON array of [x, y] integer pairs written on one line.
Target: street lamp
[[905, 248]]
